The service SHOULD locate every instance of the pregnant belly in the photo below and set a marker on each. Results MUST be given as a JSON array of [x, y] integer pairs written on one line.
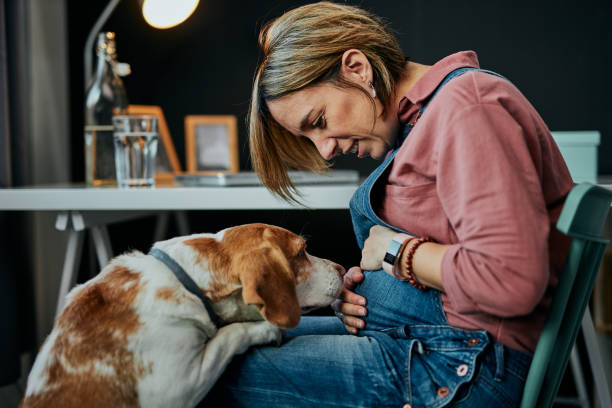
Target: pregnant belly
[[393, 303]]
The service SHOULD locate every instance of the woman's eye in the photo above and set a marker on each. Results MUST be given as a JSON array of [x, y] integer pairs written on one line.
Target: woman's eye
[[319, 122]]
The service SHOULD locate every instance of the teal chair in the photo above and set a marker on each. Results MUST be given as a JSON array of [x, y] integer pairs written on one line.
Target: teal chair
[[582, 218]]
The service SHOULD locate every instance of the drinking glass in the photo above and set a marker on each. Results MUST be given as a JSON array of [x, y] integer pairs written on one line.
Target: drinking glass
[[136, 138]]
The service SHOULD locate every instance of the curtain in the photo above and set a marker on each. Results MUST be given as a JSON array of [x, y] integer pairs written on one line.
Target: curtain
[[16, 311]]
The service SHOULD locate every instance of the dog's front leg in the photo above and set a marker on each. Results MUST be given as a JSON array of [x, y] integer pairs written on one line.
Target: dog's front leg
[[230, 340]]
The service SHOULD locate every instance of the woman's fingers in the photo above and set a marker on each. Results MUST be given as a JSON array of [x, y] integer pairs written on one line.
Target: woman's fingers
[[349, 309], [352, 305], [352, 277], [351, 297], [353, 324]]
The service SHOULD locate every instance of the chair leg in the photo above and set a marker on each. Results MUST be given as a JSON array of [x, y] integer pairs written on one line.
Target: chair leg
[[582, 399], [595, 358], [578, 374]]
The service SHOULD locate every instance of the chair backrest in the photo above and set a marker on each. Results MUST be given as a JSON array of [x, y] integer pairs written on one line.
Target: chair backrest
[[582, 218]]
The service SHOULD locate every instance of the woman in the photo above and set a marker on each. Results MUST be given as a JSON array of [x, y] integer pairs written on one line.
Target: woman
[[460, 215]]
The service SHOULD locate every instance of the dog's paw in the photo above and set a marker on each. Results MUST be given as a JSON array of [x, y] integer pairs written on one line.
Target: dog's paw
[[265, 333]]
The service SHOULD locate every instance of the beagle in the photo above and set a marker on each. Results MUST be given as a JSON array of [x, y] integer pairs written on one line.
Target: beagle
[[139, 335]]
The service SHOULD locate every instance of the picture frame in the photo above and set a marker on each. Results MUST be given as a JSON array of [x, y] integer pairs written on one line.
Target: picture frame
[[211, 143], [167, 163]]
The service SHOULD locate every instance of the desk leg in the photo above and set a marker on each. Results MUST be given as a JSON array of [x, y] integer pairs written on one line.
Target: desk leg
[[101, 240], [182, 223], [161, 225], [71, 267]]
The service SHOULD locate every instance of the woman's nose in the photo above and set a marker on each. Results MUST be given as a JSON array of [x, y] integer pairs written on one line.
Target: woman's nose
[[326, 147]]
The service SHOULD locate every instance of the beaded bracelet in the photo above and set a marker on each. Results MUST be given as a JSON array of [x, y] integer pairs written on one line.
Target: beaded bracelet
[[397, 268], [409, 272]]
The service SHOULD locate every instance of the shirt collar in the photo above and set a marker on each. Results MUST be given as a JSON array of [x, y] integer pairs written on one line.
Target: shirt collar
[[410, 103]]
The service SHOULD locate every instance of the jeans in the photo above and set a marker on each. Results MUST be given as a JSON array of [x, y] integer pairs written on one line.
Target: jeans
[[431, 365]]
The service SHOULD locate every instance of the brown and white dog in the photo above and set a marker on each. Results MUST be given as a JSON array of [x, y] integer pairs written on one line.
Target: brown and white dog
[[135, 336]]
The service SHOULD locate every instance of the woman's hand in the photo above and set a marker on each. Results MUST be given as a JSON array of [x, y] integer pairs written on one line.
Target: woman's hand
[[375, 247], [351, 307]]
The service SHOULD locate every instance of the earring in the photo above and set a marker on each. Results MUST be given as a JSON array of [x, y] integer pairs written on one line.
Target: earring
[[373, 89]]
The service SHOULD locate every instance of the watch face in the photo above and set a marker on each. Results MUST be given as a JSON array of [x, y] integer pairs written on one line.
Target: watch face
[[392, 251], [389, 258]]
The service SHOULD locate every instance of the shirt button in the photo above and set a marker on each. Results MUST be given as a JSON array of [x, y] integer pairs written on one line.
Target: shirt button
[[473, 341], [443, 392], [462, 370]]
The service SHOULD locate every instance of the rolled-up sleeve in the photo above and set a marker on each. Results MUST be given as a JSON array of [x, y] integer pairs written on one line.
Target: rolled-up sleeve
[[490, 191]]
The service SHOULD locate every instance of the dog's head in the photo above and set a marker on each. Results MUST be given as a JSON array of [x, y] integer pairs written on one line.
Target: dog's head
[[271, 266]]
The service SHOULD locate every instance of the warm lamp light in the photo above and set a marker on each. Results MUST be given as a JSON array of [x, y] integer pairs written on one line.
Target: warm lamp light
[[158, 13], [166, 14]]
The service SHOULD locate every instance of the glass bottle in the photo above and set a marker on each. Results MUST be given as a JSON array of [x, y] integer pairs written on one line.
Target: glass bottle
[[105, 97]]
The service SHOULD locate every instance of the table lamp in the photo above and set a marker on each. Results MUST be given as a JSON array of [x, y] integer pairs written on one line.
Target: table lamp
[[157, 13]]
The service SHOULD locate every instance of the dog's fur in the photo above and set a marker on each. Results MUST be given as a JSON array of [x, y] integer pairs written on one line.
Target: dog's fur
[[134, 336]]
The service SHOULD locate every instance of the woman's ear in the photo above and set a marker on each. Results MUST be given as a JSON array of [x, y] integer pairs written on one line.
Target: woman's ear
[[356, 67], [269, 284]]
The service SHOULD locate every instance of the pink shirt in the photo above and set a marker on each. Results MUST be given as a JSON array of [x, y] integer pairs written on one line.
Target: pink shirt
[[480, 172]]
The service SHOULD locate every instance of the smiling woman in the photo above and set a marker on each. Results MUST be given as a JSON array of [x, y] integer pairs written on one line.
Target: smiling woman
[[459, 213], [338, 120], [307, 57]]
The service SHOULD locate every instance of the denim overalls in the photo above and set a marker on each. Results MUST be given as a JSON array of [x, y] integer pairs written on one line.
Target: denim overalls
[[442, 357], [407, 353]]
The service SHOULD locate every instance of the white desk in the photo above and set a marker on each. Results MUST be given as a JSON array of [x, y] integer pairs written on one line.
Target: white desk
[[80, 209], [72, 198]]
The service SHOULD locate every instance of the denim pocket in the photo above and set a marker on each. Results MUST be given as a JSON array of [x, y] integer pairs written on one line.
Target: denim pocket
[[485, 391], [442, 359]]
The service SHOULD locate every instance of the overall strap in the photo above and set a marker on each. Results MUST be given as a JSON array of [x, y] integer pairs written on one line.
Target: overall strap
[[362, 213], [453, 74]]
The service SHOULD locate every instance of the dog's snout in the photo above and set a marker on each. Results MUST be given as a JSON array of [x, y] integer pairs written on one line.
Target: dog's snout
[[340, 269]]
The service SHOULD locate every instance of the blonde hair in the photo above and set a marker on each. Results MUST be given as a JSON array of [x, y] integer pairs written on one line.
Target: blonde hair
[[303, 47]]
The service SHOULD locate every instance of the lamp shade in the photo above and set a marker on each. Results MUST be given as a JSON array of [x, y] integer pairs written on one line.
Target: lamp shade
[[167, 14]]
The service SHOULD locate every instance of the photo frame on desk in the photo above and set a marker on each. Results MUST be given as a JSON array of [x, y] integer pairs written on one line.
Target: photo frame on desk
[[167, 163], [211, 143]]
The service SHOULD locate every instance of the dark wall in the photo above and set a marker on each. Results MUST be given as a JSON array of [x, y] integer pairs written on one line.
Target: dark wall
[[556, 52]]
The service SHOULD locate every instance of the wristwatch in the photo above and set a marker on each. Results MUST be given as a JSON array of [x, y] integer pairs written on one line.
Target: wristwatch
[[394, 251]]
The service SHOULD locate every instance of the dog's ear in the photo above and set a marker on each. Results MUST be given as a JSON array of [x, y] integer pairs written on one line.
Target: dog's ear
[[269, 284]]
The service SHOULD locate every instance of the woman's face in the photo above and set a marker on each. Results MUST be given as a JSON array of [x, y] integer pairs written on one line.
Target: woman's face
[[337, 120]]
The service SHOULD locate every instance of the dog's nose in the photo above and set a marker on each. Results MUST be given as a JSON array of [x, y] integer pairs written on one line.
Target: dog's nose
[[340, 269]]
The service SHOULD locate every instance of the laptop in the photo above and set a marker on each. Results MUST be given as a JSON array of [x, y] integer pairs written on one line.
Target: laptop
[[249, 178]]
